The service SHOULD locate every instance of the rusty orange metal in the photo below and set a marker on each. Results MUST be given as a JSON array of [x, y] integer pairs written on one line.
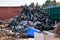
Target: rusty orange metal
[[9, 12]]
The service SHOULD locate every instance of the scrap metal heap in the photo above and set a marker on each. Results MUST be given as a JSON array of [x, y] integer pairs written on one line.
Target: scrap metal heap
[[17, 27]]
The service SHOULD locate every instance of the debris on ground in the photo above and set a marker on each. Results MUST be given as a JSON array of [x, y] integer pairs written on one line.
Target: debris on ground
[[18, 26]]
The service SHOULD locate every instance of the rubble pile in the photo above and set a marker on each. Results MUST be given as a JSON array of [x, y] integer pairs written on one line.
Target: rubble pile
[[29, 17]]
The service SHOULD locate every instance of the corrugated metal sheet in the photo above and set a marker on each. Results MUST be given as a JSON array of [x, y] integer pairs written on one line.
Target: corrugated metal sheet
[[53, 12], [9, 12]]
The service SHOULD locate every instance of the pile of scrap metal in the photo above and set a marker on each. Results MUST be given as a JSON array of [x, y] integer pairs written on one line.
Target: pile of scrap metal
[[29, 17]]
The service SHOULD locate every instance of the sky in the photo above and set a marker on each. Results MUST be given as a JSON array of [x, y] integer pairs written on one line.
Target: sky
[[20, 2]]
